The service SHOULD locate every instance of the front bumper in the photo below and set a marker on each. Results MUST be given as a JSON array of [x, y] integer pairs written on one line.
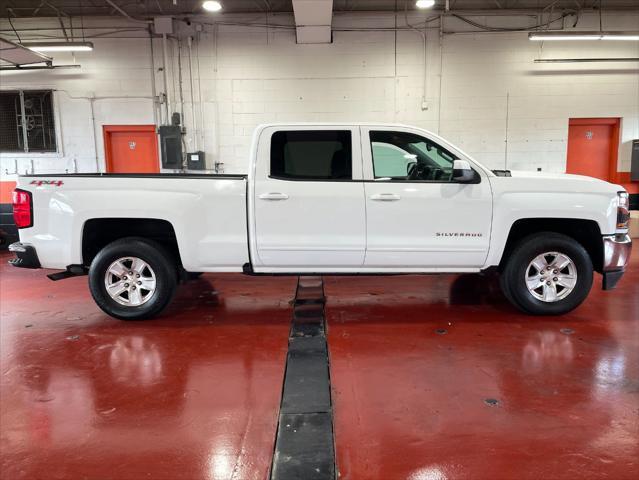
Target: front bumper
[[616, 255], [26, 256]]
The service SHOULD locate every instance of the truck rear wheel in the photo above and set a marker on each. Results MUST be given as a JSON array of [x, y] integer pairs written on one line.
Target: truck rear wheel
[[547, 274], [133, 278]]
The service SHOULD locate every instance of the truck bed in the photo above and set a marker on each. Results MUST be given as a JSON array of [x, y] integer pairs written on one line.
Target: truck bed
[[206, 212]]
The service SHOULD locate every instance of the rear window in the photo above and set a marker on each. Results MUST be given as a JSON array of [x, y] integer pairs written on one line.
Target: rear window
[[312, 155]]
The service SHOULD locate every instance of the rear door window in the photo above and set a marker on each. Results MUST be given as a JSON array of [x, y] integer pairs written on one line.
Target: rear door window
[[312, 155]]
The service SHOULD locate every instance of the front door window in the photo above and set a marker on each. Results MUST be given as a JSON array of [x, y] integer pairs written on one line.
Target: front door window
[[405, 156]]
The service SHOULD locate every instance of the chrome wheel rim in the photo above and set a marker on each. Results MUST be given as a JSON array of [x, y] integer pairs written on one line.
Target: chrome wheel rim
[[551, 276], [130, 281]]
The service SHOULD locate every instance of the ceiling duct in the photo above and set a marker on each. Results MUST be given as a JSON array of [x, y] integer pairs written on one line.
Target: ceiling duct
[[313, 20]]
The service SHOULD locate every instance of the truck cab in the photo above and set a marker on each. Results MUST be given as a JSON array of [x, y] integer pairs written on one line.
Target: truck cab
[[379, 198]]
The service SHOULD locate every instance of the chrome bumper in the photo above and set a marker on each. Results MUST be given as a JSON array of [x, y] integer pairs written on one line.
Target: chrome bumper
[[616, 252], [616, 255]]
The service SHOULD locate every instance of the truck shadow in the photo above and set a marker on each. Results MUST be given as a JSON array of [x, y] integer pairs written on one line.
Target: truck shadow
[[476, 289], [427, 299], [235, 298]]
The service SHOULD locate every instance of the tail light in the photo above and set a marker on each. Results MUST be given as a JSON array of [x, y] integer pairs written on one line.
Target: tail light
[[22, 208], [623, 210]]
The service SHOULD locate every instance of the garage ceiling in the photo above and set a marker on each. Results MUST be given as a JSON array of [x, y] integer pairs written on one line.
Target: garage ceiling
[[48, 8]]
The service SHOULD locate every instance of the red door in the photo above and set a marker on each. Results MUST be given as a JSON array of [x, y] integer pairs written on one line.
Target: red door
[[131, 149], [592, 147]]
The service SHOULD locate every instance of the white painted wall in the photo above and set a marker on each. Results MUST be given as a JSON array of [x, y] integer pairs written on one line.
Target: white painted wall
[[491, 90]]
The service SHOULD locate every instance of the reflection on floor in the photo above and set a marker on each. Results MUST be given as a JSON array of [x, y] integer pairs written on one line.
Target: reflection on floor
[[433, 378], [439, 378], [194, 395]]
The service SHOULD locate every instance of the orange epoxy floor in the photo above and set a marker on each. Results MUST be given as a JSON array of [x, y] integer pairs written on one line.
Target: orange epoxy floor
[[411, 375], [195, 394]]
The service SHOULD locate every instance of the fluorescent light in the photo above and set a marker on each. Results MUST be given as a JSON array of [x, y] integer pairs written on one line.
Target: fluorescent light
[[533, 36], [424, 3], [620, 37], [586, 60], [211, 6], [573, 35], [59, 46]]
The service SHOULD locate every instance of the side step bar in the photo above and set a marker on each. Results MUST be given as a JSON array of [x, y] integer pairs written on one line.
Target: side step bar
[[71, 271]]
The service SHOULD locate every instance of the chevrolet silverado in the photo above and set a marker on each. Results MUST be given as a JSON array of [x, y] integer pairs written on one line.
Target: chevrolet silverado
[[327, 199]]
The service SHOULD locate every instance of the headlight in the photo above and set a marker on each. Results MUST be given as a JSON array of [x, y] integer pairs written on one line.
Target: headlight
[[623, 210]]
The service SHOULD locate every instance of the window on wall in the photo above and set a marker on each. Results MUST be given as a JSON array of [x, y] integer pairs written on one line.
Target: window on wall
[[311, 155], [406, 156], [26, 121]]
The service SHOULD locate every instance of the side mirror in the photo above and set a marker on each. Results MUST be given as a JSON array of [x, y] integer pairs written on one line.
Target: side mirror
[[462, 173]]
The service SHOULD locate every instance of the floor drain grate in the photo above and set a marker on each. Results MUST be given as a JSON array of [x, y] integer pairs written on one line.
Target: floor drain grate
[[304, 443]]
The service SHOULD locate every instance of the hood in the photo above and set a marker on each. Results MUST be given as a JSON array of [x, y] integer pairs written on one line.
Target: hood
[[557, 182], [567, 176]]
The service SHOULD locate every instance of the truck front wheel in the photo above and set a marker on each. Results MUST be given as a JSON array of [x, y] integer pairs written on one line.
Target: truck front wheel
[[547, 274], [133, 278]]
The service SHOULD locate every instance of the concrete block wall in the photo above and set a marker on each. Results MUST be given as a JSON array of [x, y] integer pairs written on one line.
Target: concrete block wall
[[483, 91], [112, 86]]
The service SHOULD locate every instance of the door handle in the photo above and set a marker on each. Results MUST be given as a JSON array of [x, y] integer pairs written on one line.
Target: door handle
[[273, 196], [385, 197]]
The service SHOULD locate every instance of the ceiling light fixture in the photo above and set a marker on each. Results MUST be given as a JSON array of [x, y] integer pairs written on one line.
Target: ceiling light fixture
[[570, 35], [59, 46], [425, 3], [627, 37], [585, 60], [211, 6]]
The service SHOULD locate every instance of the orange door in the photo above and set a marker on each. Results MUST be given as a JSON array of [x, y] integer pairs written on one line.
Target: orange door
[[131, 149], [592, 147]]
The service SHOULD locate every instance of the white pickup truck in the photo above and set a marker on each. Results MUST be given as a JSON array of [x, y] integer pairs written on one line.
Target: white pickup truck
[[327, 199]]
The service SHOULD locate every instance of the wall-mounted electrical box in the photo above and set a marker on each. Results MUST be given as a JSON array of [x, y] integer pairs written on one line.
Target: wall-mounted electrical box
[[171, 146], [163, 25], [195, 161], [634, 161]]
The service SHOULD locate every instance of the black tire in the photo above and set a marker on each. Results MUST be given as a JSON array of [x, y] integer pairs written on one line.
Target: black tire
[[513, 277], [159, 259]]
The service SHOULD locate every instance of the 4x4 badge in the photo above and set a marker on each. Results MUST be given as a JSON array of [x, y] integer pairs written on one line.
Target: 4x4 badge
[[39, 183]]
